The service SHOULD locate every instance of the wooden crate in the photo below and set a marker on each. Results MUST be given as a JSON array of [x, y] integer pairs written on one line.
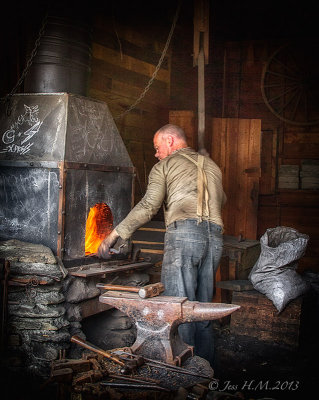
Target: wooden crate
[[288, 177], [237, 260], [259, 318], [310, 174], [242, 255]]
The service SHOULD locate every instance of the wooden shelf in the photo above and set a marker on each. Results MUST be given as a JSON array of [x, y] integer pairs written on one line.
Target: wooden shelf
[[101, 270], [297, 191]]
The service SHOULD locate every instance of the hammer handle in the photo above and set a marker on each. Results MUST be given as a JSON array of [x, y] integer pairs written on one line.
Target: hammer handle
[[118, 287], [76, 339]]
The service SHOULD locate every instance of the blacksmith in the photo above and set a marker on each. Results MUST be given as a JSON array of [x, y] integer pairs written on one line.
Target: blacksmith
[[189, 186]]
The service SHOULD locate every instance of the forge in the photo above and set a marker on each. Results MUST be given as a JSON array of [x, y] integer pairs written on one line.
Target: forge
[[65, 180], [62, 160]]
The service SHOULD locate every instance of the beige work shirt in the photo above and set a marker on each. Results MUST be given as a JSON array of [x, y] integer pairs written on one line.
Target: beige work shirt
[[173, 182]]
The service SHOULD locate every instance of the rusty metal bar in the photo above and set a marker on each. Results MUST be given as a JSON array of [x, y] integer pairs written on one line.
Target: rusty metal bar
[[29, 164], [142, 386], [61, 210], [95, 349], [4, 281], [98, 167], [160, 364], [144, 379]]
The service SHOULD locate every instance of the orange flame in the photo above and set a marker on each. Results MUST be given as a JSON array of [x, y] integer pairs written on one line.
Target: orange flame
[[99, 225]]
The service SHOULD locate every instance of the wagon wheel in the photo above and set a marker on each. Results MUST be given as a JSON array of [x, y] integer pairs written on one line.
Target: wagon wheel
[[290, 83]]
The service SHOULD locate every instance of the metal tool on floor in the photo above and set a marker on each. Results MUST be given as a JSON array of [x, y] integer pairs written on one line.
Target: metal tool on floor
[[127, 366], [130, 385], [157, 320], [130, 362], [159, 364]]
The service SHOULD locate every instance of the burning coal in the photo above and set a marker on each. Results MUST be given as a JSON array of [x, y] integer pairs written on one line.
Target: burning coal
[[99, 225]]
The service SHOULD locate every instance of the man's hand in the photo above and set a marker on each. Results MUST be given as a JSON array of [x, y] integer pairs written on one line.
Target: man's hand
[[104, 249]]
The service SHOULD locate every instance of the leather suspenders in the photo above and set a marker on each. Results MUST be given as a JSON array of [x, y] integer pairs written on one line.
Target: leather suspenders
[[202, 190]]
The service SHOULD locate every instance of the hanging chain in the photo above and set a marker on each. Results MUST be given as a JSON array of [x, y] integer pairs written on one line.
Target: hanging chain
[[7, 98], [142, 95]]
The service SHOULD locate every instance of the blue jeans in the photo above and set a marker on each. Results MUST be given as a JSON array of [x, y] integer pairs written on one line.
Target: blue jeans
[[192, 252]]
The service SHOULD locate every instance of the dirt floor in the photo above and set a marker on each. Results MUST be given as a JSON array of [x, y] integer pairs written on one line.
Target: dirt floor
[[254, 369], [245, 368]]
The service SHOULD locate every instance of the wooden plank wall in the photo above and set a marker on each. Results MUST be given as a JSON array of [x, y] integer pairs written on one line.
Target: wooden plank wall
[[123, 60], [188, 121], [234, 144], [235, 147], [297, 208], [233, 89]]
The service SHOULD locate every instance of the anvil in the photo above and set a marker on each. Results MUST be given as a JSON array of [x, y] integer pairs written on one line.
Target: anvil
[[157, 320]]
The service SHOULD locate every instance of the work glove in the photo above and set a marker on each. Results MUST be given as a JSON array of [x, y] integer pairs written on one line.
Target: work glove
[[114, 244], [121, 246], [104, 249]]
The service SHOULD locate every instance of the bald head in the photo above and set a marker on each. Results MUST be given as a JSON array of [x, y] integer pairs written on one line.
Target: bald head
[[173, 130], [168, 139]]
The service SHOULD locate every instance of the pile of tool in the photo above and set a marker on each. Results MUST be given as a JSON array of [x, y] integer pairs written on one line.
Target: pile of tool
[[108, 374]]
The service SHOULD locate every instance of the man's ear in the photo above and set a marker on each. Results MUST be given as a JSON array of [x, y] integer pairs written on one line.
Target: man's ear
[[170, 140]]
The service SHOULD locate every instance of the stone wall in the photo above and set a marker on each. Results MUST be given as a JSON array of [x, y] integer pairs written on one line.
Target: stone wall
[[44, 309]]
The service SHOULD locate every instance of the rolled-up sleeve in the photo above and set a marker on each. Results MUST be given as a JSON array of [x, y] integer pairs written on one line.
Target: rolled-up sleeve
[[148, 206]]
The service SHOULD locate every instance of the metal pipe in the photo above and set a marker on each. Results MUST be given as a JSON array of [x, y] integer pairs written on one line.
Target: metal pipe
[[95, 349]]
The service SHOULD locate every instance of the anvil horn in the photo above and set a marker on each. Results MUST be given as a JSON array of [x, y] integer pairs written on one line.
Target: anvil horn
[[195, 311]]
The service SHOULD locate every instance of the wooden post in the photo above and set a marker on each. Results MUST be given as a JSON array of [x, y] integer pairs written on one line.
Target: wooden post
[[200, 58], [201, 28], [201, 101]]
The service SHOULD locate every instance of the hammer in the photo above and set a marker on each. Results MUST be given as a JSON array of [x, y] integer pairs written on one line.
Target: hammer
[[154, 289]]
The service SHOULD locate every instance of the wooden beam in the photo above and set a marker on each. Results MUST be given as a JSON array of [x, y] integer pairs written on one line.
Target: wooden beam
[[201, 101], [200, 58], [201, 29]]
